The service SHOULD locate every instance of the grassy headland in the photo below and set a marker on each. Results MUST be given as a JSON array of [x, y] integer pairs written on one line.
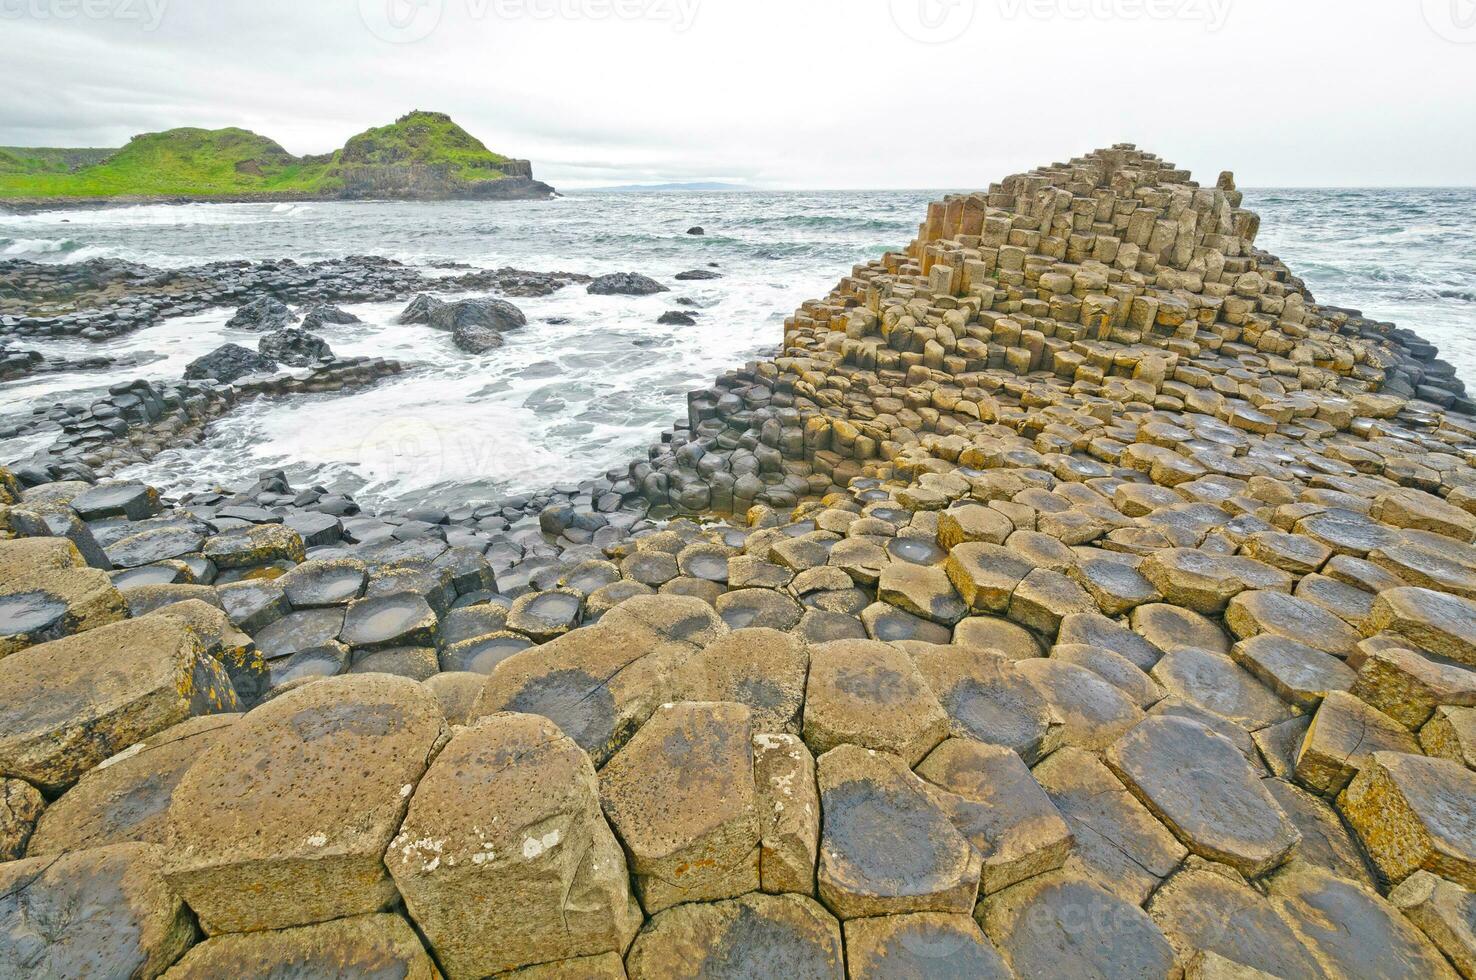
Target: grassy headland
[[419, 155]]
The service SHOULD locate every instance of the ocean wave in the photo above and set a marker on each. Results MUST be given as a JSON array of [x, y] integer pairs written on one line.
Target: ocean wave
[[1415, 234], [19, 248], [166, 215], [831, 222], [1430, 294], [785, 251]]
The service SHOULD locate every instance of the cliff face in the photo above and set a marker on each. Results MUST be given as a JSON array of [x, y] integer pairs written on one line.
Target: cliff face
[[418, 182], [420, 156], [424, 155]]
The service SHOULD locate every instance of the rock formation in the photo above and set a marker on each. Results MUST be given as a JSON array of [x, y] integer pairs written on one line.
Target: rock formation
[[229, 363], [1074, 596]]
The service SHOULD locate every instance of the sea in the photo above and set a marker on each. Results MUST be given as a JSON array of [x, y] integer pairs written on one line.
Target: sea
[[592, 381]]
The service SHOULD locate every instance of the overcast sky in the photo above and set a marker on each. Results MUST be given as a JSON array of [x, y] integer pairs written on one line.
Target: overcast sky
[[779, 93]]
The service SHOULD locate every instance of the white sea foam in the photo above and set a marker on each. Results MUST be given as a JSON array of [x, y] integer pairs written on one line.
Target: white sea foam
[[33, 248], [558, 402]]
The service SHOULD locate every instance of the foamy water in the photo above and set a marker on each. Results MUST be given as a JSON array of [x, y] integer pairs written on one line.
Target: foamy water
[[1406, 255]]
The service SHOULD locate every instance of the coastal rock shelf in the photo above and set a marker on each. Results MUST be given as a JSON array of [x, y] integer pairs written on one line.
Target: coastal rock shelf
[[1072, 596], [138, 420], [104, 298]]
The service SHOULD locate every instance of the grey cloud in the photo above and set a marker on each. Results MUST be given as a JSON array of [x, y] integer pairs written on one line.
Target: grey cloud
[[820, 93]]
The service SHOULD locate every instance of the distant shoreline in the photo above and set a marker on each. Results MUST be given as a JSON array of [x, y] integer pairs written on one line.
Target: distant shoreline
[[526, 191]]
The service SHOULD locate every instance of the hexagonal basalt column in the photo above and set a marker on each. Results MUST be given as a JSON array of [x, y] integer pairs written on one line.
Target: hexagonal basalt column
[[504, 859], [681, 796]]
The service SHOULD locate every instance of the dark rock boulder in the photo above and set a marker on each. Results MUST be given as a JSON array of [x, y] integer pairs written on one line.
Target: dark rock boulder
[[15, 363], [626, 284], [676, 318], [493, 314], [262, 313], [295, 346], [227, 363], [317, 316], [475, 339], [420, 309], [692, 274]]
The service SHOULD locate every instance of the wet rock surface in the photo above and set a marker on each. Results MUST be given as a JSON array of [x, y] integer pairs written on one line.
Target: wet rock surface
[[137, 420], [100, 912], [103, 298], [921, 944], [1072, 595], [886, 845], [126, 798], [1199, 785], [1063, 925], [229, 363], [625, 284], [262, 313], [757, 935], [294, 347]]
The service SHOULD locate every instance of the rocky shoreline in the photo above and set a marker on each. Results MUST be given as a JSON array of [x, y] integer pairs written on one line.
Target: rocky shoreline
[[101, 298], [1072, 595]]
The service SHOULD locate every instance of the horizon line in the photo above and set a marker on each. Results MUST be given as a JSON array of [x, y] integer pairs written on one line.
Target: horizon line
[[659, 186]]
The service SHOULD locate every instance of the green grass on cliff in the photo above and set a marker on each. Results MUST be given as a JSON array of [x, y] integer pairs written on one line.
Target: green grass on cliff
[[203, 162], [424, 139], [48, 159], [239, 163]]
